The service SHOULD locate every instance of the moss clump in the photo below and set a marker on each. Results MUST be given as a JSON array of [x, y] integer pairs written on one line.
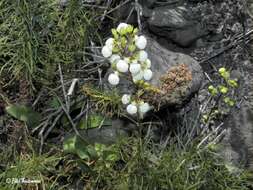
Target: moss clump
[[173, 88], [177, 77]]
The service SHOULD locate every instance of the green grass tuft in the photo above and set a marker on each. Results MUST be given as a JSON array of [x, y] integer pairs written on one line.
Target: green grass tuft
[[148, 166]]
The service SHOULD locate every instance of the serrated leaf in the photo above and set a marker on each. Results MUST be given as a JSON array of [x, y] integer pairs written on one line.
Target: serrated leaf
[[24, 113]]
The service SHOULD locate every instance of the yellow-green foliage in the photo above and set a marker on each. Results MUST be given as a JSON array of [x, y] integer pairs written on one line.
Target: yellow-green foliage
[[106, 101]]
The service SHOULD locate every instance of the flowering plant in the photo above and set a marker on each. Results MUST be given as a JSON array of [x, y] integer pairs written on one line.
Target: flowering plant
[[126, 53], [222, 97]]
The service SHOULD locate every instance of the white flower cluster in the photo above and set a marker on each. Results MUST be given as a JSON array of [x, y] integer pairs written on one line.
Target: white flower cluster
[[137, 63], [133, 107], [126, 53]]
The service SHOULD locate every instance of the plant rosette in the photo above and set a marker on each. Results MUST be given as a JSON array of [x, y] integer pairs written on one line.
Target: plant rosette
[[125, 51]]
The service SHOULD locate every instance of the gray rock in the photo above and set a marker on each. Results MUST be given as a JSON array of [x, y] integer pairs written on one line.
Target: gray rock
[[175, 24], [148, 3], [126, 13], [108, 134], [163, 59], [238, 143]]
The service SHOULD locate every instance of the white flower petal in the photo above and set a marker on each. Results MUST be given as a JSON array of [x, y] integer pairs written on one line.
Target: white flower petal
[[144, 107], [109, 42], [131, 109], [121, 26], [143, 56], [138, 76], [135, 68], [122, 66], [114, 58], [127, 60], [148, 63], [126, 98], [113, 79], [141, 42], [147, 75], [106, 52]]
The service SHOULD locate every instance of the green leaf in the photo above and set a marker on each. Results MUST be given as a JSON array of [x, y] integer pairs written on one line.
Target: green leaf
[[123, 42], [115, 33], [132, 48], [110, 156], [54, 103], [229, 101], [225, 75], [222, 70], [92, 152], [76, 145], [25, 114], [69, 144], [130, 29], [213, 91], [135, 31], [94, 121], [223, 89], [233, 83]]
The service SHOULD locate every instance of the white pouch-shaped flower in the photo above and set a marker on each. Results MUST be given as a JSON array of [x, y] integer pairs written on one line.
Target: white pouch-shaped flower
[[126, 99], [106, 51], [141, 42], [143, 56], [113, 79], [131, 109], [135, 68], [122, 66], [147, 74]]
